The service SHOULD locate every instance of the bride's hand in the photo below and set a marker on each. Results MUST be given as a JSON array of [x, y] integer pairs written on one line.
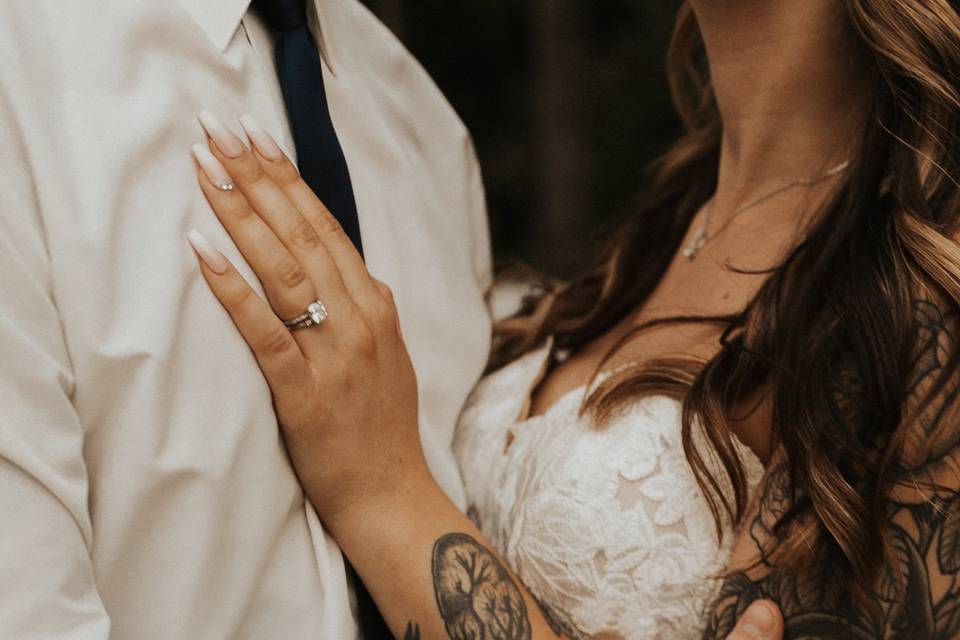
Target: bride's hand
[[344, 390]]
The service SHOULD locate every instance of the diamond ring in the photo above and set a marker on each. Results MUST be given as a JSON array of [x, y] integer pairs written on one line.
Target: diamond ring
[[315, 314]]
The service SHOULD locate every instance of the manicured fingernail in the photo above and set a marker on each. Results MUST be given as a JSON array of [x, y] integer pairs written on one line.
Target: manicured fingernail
[[211, 257], [262, 140], [758, 621], [227, 142], [212, 167]]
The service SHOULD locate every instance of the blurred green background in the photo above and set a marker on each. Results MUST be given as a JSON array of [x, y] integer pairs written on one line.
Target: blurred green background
[[567, 102]]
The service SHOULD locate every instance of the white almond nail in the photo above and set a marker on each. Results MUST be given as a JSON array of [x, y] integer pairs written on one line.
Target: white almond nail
[[226, 140], [217, 262], [262, 140]]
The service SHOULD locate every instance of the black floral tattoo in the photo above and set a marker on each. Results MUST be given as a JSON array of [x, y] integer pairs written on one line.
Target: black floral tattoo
[[917, 596], [475, 594]]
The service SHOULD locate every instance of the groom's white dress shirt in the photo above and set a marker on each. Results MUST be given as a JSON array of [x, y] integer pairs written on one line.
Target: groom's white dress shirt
[[144, 490]]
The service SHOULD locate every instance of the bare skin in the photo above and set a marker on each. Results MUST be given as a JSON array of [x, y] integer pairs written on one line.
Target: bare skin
[[788, 97]]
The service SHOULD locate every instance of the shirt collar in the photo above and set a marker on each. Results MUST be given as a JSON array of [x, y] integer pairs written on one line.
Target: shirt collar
[[218, 18]]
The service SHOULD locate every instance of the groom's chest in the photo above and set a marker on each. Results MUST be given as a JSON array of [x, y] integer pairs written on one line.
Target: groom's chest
[[147, 340]]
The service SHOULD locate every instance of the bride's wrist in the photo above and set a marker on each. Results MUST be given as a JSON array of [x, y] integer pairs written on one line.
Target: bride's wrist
[[390, 494]]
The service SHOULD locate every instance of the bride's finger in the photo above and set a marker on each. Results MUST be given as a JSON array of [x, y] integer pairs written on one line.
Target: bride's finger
[[278, 354], [284, 280], [272, 205], [284, 173]]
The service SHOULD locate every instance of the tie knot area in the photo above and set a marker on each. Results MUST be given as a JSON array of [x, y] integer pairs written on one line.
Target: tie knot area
[[282, 15]]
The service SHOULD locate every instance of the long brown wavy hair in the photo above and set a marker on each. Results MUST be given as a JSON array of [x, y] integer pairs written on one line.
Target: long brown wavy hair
[[830, 341]]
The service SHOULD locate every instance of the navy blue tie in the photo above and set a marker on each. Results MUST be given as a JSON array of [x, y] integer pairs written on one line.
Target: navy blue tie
[[322, 165], [319, 154]]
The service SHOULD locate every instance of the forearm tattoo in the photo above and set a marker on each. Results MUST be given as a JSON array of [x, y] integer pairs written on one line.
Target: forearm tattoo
[[917, 595], [476, 596]]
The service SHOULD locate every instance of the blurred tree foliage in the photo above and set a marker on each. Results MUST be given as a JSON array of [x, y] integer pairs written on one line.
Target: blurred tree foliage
[[567, 102]]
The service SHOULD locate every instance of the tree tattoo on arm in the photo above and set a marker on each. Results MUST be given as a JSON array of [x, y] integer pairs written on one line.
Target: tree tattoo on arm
[[476, 596], [917, 595]]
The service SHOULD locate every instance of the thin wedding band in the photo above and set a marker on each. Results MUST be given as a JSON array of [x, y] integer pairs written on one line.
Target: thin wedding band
[[315, 314]]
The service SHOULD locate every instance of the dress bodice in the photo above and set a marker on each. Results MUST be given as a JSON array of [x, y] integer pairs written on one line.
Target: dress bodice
[[606, 527]]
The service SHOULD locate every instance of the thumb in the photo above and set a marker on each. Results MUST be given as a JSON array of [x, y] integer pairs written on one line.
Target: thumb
[[761, 621]]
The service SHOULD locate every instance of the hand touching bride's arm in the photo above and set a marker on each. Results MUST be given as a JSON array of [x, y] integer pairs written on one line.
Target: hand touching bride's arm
[[346, 398]]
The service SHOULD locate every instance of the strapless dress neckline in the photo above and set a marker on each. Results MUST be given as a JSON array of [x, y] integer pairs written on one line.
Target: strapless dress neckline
[[606, 527]]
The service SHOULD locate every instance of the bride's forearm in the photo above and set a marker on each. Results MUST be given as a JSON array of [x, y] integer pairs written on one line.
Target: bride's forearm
[[432, 573]]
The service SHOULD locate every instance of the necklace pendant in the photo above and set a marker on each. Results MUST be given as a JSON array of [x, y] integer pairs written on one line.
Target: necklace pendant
[[692, 248]]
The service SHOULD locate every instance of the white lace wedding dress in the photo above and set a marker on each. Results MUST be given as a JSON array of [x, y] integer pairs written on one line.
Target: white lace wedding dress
[[606, 527]]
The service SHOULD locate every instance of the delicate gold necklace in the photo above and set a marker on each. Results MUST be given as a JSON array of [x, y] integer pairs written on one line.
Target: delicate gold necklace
[[702, 235]]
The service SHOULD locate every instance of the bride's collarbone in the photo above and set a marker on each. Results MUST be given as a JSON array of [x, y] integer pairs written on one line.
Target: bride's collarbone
[[707, 289]]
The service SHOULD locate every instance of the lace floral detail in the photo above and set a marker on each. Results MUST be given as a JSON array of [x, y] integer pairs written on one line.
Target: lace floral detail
[[606, 527]]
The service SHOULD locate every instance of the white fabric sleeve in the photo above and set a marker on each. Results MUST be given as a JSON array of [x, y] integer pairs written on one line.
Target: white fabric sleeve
[[479, 220], [46, 578]]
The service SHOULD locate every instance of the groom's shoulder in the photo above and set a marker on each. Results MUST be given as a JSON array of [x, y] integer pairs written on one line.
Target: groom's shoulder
[[362, 38], [359, 33]]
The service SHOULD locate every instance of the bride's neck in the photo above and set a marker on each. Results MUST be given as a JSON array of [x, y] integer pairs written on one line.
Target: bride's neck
[[787, 87]]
